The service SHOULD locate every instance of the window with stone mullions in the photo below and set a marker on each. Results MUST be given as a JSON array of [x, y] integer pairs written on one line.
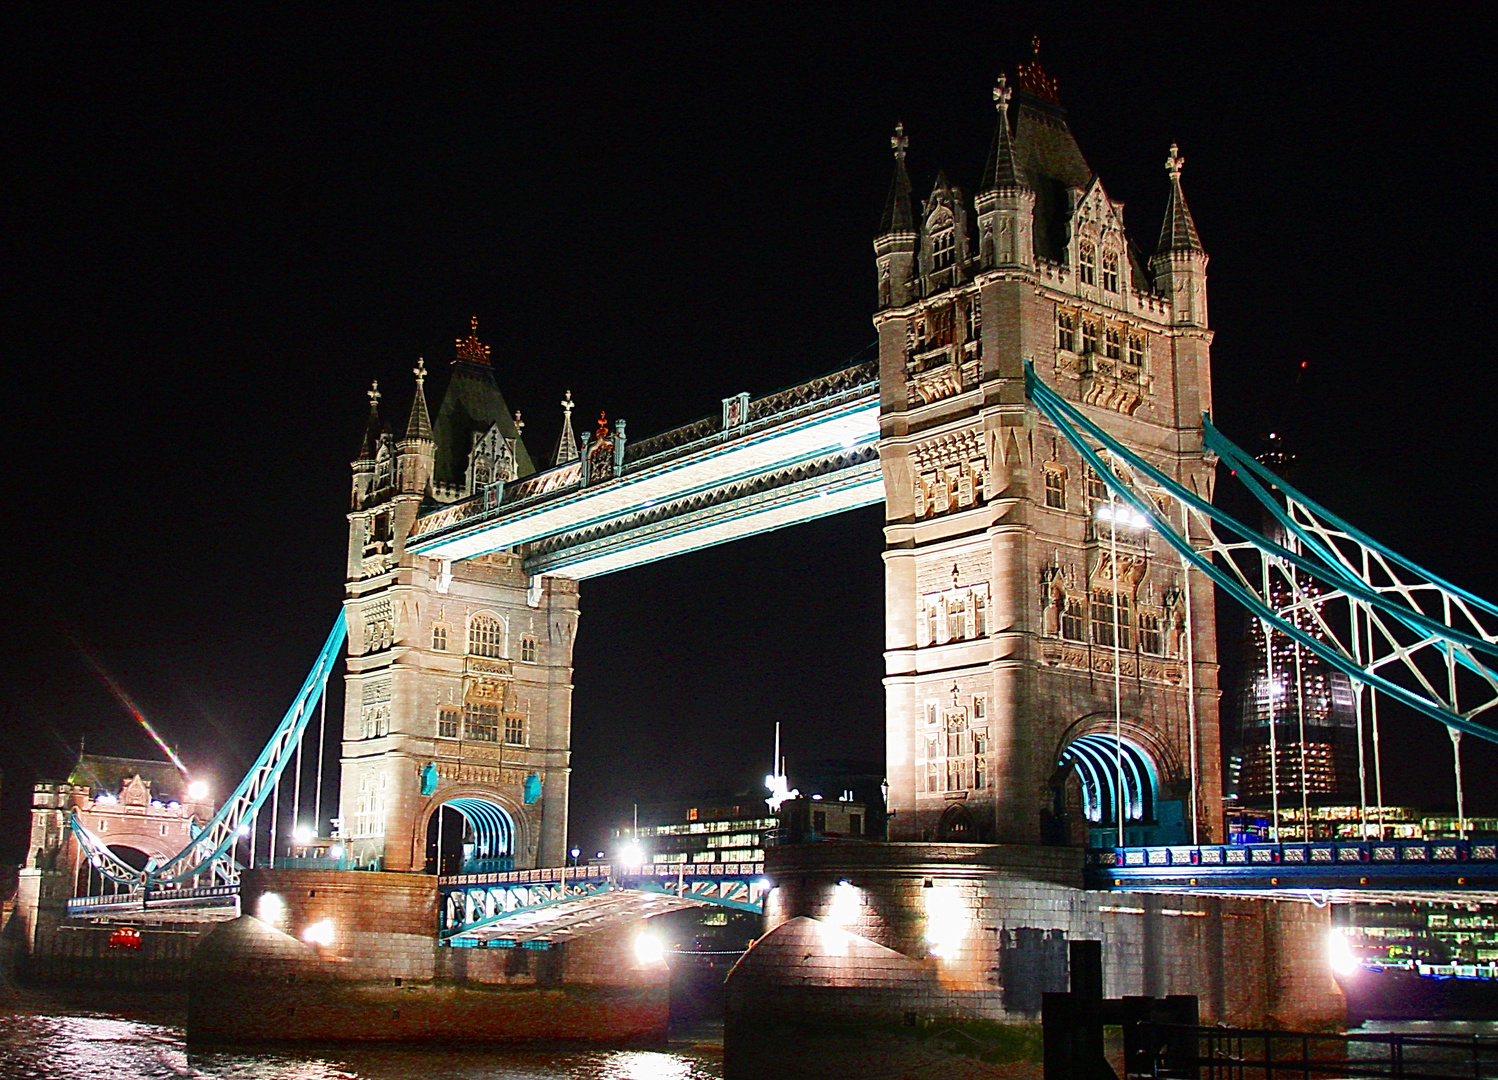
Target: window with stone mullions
[[1136, 351], [1066, 338], [1110, 272], [943, 249], [1072, 620], [481, 721], [485, 636], [1055, 489], [1089, 336], [1112, 344], [1087, 264], [1110, 608], [447, 723], [514, 731], [942, 327]]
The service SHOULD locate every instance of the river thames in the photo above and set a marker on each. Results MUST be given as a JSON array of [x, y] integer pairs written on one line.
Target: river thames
[[67, 1037]]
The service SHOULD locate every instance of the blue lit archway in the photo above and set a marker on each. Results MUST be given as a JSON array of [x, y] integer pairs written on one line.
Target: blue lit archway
[[470, 835], [1110, 771]]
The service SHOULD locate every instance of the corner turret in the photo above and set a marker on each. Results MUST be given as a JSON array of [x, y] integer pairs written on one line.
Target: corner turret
[[1180, 264], [416, 448], [1006, 204], [896, 243]]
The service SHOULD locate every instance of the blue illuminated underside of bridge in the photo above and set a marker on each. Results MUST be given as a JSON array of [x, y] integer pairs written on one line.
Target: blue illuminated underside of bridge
[[1336, 871]]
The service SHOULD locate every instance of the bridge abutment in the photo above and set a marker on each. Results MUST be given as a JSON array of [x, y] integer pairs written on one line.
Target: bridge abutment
[[871, 944]]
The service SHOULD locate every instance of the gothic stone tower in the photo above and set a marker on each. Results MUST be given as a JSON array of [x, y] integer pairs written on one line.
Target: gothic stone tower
[[459, 675], [1003, 593]]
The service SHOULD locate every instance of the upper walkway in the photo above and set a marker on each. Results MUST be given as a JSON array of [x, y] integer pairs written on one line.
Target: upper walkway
[[779, 460]]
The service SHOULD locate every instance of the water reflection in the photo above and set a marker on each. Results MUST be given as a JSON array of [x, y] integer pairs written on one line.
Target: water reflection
[[47, 1040]]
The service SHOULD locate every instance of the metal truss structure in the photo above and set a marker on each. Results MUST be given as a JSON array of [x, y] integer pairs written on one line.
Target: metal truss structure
[[1375, 615], [551, 905], [210, 856]]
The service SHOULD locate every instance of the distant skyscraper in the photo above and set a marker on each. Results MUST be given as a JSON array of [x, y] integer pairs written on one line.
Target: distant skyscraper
[[1297, 714]]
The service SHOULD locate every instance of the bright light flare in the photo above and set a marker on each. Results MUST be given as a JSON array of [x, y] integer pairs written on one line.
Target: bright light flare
[[632, 854], [197, 791], [1123, 515], [319, 933], [946, 919], [847, 903], [270, 909], [650, 949], [303, 835], [1344, 959]]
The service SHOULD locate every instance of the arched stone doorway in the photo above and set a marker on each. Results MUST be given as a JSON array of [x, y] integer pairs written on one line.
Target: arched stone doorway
[[957, 825], [470, 835]]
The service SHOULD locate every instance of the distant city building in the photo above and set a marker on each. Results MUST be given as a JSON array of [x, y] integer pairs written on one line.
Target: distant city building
[[1297, 715], [727, 829]]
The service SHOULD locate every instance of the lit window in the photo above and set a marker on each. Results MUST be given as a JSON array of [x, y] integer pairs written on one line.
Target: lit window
[[1110, 272], [1071, 620], [528, 650], [1087, 264], [447, 723], [1149, 632], [514, 731], [485, 636], [481, 721], [1066, 338], [1055, 489], [1112, 344], [1097, 489], [1109, 607], [1089, 336], [1136, 351], [439, 637]]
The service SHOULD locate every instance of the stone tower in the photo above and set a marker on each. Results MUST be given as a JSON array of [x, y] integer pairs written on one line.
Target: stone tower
[[1012, 596], [459, 676]]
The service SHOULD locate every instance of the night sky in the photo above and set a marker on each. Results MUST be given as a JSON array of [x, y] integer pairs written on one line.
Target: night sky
[[221, 228]]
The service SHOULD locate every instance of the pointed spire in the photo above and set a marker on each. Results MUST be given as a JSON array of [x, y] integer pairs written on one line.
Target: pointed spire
[[420, 424], [370, 445], [897, 216], [567, 444], [471, 349], [1178, 232], [1003, 170]]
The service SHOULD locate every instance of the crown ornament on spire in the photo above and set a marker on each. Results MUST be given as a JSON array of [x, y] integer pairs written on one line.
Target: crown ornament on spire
[[1174, 163], [899, 143], [420, 371], [373, 393], [1034, 80], [471, 349]]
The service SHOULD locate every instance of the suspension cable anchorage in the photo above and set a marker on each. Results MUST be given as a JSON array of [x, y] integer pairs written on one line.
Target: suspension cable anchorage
[[1390, 608]]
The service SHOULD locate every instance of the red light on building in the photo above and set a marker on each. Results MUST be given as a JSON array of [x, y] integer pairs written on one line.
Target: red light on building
[[125, 938]]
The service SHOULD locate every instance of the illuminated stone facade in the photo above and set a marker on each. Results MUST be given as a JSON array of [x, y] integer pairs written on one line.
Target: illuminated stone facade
[[459, 675], [1010, 601]]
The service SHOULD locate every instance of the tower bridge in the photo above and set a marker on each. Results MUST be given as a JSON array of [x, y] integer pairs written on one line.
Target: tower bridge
[[1036, 425]]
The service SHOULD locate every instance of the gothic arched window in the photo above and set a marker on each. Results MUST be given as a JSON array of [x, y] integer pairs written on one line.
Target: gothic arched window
[[1087, 263], [528, 650], [485, 636], [1110, 272]]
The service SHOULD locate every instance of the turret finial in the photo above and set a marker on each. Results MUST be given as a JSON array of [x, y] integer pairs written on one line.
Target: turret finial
[[373, 393], [567, 444], [519, 423], [568, 404], [420, 371], [603, 428], [1174, 163], [1002, 93], [899, 142], [472, 349]]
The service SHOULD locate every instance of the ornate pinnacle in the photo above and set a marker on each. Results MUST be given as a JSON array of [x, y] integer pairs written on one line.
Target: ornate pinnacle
[[568, 405], [519, 423], [1174, 162], [472, 349], [603, 428], [420, 371], [1002, 93], [373, 393], [899, 142]]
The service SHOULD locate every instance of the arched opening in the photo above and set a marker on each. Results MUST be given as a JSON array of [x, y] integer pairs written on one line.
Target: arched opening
[[470, 836], [1099, 778], [92, 883], [957, 825]]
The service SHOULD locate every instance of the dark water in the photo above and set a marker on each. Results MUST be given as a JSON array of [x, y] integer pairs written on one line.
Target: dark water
[[57, 1037]]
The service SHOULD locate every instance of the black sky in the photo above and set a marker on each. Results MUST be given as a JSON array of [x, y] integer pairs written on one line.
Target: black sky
[[222, 226]]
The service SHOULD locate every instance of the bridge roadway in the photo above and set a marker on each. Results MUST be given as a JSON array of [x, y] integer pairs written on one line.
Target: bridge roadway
[[796, 455]]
